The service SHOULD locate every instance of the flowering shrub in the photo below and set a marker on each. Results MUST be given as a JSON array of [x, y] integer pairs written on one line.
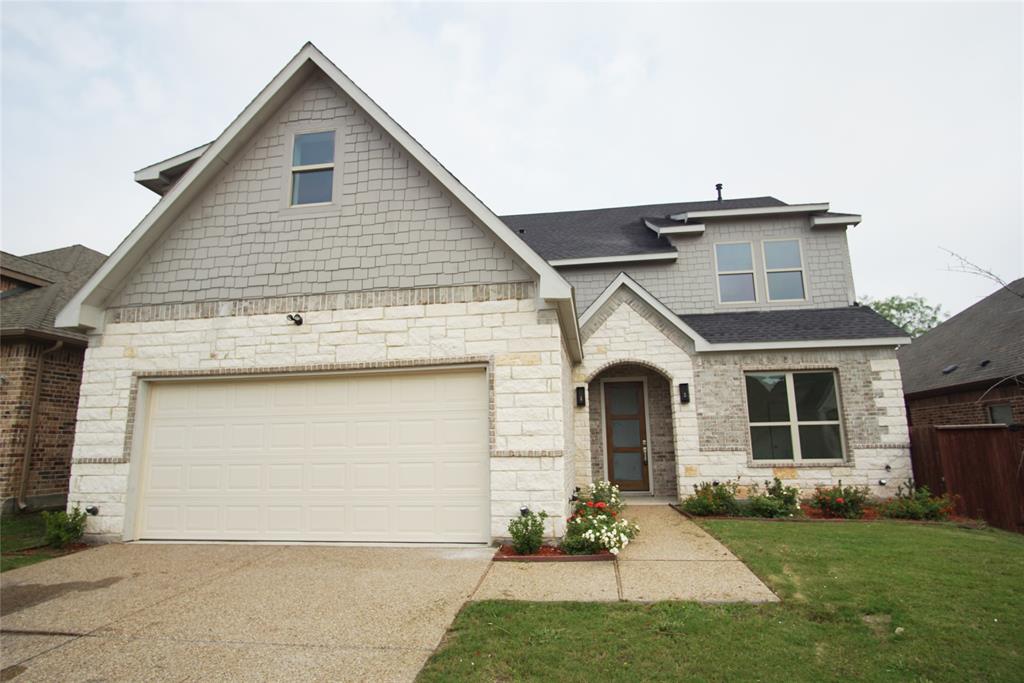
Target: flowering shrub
[[840, 501], [712, 498], [917, 503], [595, 523], [527, 532]]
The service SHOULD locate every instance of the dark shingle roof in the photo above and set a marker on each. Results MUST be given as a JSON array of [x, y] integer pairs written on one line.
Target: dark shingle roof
[[610, 232], [35, 309], [852, 322], [990, 330]]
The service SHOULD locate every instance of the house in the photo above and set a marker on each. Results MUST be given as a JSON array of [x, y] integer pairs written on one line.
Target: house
[[319, 333], [969, 369], [40, 371]]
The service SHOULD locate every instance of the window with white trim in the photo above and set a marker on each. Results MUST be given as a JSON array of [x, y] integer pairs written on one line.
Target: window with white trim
[[783, 266], [1000, 413], [734, 263], [794, 416], [313, 168]]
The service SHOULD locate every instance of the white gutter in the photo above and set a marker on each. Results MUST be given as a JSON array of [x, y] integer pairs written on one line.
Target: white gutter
[[835, 220], [762, 211], [625, 258]]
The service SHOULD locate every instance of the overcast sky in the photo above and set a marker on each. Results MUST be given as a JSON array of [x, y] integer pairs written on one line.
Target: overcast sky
[[910, 114]]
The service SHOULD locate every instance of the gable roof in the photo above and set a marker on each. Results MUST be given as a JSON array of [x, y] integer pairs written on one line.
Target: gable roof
[[802, 324], [616, 231], [33, 310], [789, 329], [991, 330], [85, 309]]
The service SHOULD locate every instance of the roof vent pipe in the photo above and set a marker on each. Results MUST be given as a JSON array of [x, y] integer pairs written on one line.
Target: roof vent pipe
[[718, 187]]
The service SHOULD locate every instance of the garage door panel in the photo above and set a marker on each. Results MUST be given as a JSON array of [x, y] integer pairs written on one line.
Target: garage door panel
[[361, 458]]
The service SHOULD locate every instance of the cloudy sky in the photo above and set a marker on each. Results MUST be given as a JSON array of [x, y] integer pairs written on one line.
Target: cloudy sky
[[910, 114]]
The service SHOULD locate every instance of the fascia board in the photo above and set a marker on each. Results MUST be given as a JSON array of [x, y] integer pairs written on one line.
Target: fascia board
[[625, 258], [763, 211], [835, 220]]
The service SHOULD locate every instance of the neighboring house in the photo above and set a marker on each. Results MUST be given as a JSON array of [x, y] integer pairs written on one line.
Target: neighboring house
[[970, 369], [40, 374], [318, 333]]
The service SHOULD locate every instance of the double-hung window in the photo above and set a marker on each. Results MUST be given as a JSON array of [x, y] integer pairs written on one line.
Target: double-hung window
[[313, 168], [783, 265], [735, 266], [794, 416]]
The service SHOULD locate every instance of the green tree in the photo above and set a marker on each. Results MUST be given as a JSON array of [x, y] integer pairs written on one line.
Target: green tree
[[915, 315]]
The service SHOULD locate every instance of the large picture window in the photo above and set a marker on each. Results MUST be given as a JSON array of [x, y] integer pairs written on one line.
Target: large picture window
[[794, 416], [313, 168], [735, 266]]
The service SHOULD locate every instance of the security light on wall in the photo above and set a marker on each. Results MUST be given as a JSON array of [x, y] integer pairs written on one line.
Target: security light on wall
[[581, 397], [684, 393]]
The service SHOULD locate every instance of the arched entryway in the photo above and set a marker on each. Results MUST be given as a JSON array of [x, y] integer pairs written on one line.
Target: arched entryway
[[632, 441]]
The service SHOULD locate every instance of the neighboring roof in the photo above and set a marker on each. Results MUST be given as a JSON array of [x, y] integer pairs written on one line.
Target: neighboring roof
[[86, 308], [618, 231], [853, 326], [32, 310], [802, 324], [991, 330]]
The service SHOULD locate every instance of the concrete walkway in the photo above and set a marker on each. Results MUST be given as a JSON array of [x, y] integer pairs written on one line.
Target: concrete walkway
[[671, 559]]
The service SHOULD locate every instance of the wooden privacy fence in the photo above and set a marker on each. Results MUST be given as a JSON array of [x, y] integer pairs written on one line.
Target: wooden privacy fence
[[980, 466]]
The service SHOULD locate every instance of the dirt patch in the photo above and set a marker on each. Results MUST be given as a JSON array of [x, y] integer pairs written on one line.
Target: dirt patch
[[547, 553], [880, 624]]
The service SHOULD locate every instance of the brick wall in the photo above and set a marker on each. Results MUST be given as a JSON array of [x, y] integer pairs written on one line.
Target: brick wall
[[55, 426], [391, 225], [689, 285], [966, 407]]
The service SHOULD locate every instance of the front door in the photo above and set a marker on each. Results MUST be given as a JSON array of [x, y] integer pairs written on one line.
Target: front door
[[625, 423]]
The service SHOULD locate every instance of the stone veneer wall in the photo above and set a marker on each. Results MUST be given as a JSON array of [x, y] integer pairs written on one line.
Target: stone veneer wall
[[661, 446], [627, 332], [873, 418], [519, 340], [55, 426]]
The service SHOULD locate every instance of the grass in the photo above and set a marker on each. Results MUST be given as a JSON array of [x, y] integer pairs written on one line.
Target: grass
[[879, 602], [19, 532]]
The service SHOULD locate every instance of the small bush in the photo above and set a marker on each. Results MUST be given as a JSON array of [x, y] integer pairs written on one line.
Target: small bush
[[712, 498], [840, 501], [63, 529], [527, 532], [595, 524], [777, 501], [917, 503]]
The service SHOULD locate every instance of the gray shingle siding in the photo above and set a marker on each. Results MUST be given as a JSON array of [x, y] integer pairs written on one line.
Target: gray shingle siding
[[393, 226], [689, 284]]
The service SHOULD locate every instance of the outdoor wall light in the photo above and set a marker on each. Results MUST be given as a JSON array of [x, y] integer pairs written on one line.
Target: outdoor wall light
[[524, 511], [888, 468], [684, 393], [297, 318], [581, 397], [93, 510], [882, 482]]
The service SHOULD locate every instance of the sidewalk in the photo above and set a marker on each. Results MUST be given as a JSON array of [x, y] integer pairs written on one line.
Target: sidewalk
[[671, 559]]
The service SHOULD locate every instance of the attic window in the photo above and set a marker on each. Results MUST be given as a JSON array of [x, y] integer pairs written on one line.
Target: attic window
[[313, 168]]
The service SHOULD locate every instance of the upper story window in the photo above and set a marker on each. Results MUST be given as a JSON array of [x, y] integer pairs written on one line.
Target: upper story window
[[313, 168], [783, 265], [1000, 413], [735, 266], [794, 416]]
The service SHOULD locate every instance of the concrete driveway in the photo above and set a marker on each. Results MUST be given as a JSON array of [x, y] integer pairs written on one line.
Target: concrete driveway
[[219, 612]]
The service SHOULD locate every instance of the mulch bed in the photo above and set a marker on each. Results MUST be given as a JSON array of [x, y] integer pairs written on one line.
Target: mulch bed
[[49, 550], [871, 514], [548, 553]]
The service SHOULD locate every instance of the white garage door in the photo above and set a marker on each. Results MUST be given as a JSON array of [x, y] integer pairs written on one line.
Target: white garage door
[[385, 457]]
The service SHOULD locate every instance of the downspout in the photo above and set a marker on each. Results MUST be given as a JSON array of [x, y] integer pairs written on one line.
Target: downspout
[[30, 438]]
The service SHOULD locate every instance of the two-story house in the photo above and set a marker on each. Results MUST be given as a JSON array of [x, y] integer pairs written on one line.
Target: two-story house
[[319, 333]]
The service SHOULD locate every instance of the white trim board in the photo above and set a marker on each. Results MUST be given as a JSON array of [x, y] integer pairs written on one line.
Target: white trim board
[[762, 211], [704, 346], [154, 171], [85, 309], [835, 220], [688, 229], [626, 258]]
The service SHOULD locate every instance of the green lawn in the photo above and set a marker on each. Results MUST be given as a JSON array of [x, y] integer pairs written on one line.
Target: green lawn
[[956, 595], [21, 531]]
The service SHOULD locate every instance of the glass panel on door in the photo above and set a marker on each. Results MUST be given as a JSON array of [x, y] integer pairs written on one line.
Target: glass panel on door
[[626, 434]]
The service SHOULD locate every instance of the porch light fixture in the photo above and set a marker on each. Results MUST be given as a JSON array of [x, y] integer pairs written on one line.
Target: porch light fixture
[[581, 397], [297, 318], [684, 393]]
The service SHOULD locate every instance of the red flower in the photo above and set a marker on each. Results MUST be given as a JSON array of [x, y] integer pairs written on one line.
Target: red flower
[[840, 501], [590, 504], [602, 505]]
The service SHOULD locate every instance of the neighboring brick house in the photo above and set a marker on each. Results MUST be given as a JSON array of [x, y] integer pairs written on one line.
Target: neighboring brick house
[[320, 334], [38, 418], [969, 369]]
